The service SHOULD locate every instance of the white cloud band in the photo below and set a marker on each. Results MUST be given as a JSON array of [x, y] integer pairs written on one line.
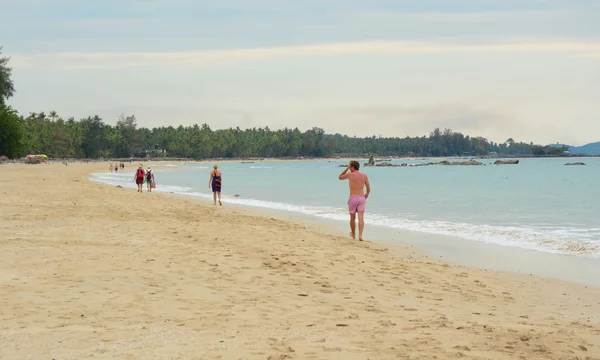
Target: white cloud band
[[71, 60]]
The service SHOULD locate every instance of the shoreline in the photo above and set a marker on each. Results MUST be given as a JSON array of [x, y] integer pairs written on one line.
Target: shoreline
[[89, 270], [459, 251], [572, 267], [575, 268]]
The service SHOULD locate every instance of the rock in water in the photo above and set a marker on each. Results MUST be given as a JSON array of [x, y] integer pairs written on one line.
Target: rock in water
[[389, 164], [575, 163], [470, 162], [506, 162]]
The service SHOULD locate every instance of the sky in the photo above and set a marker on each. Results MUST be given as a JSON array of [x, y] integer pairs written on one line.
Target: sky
[[522, 69]]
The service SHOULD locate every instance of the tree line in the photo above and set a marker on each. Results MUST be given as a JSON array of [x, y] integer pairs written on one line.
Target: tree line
[[92, 138], [50, 134]]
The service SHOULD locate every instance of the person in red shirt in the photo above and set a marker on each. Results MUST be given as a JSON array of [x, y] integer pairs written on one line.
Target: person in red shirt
[[139, 177]]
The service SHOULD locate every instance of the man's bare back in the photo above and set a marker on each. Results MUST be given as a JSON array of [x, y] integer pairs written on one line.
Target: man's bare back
[[357, 182]]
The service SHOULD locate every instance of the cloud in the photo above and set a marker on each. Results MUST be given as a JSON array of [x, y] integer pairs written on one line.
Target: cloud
[[184, 25], [418, 120], [74, 60], [595, 55], [495, 123], [112, 21], [455, 17], [517, 67]]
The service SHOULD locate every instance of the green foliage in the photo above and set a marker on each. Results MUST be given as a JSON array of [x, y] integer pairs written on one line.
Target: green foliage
[[539, 150], [439, 143], [10, 132], [7, 88], [92, 138]]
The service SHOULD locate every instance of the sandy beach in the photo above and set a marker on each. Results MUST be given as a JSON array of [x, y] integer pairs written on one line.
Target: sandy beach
[[94, 271]]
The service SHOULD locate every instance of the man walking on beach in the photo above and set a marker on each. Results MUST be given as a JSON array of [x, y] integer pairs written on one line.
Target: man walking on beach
[[358, 199]]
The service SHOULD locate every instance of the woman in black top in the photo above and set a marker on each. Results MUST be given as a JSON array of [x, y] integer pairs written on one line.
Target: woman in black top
[[215, 181]]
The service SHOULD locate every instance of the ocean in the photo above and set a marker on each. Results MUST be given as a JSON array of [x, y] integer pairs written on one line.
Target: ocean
[[539, 204]]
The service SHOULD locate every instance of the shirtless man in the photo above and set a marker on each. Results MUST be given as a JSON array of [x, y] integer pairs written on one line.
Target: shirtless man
[[358, 199]]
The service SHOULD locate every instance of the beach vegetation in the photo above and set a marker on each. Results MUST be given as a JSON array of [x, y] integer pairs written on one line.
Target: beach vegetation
[[91, 137], [10, 132], [7, 88]]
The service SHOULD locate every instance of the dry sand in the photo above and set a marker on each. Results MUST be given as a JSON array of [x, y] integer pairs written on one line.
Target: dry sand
[[93, 271]]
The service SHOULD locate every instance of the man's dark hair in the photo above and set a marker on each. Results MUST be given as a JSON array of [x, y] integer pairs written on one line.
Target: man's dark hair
[[355, 164]]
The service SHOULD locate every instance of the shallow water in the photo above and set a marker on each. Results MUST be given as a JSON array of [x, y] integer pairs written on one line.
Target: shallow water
[[539, 204]]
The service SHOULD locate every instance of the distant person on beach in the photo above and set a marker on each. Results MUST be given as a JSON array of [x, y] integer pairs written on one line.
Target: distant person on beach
[[110, 167], [116, 167], [139, 177], [358, 199], [215, 182], [149, 178]]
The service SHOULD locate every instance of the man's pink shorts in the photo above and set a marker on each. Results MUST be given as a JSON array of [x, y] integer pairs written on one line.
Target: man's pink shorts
[[356, 204]]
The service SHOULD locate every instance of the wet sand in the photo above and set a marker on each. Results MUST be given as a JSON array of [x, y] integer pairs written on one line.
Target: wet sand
[[94, 271]]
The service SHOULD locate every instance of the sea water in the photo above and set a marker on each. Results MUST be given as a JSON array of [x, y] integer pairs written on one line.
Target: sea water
[[539, 204]]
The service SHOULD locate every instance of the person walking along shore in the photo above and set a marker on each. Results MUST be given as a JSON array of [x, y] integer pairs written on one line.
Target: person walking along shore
[[215, 181], [139, 178], [149, 179], [358, 198]]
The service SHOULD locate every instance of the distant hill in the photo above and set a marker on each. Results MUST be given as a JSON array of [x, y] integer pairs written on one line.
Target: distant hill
[[589, 149]]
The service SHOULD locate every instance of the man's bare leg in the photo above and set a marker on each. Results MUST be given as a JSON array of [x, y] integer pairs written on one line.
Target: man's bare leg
[[353, 226], [361, 224]]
